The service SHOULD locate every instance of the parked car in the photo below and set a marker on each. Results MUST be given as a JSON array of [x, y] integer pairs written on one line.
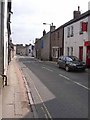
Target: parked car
[[71, 63]]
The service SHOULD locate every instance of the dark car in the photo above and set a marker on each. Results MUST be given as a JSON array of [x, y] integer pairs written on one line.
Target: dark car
[[71, 63]]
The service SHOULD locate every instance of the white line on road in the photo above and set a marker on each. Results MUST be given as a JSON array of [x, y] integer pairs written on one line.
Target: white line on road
[[64, 77], [82, 85], [49, 115], [47, 69], [74, 81]]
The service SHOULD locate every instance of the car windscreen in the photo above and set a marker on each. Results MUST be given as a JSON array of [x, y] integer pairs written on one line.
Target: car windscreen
[[69, 59], [74, 58]]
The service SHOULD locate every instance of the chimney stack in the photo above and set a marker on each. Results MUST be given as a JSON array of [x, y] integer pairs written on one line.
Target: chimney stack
[[52, 27], [44, 32], [76, 14]]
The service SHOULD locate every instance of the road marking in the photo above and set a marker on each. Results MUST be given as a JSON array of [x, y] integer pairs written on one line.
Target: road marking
[[42, 102], [44, 113], [64, 77], [82, 85], [46, 117], [74, 81], [47, 69]]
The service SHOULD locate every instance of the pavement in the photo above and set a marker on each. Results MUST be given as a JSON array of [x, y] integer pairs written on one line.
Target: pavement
[[14, 102]]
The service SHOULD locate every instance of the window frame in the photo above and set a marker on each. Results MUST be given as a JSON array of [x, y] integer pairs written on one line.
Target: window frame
[[68, 31], [72, 31]]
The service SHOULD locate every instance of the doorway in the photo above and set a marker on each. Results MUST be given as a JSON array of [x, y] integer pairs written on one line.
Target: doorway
[[88, 56], [81, 53]]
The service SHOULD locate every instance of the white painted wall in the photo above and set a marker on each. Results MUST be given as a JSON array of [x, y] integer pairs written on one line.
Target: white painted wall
[[0, 43], [5, 39], [89, 5], [30, 48], [89, 28], [77, 40]]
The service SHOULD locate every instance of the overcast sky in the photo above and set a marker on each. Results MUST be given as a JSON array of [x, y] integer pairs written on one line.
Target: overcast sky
[[29, 15]]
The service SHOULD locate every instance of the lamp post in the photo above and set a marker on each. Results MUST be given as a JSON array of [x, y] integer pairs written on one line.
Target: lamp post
[[50, 57]]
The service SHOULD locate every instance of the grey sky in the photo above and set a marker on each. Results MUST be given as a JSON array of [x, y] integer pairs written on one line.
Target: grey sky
[[29, 15]]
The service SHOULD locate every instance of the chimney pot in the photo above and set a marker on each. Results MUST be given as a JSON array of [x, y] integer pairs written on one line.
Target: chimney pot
[[78, 8]]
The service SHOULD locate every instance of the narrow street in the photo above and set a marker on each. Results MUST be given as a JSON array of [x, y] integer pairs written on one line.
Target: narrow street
[[56, 93]]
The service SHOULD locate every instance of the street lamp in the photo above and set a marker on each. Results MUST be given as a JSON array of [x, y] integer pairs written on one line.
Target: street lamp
[[48, 24], [50, 58]]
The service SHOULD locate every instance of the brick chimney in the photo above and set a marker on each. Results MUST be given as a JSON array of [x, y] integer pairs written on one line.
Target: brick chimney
[[76, 14]]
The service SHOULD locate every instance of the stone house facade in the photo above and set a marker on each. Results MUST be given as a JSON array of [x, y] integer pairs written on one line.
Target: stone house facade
[[57, 43], [38, 48], [45, 48], [42, 47], [27, 50]]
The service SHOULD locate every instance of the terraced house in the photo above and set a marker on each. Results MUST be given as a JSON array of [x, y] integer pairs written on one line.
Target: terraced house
[[5, 32], [57, 43], [77, 37]]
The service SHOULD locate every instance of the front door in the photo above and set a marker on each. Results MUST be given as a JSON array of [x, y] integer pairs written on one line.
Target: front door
[[81, 53], [88, 56]]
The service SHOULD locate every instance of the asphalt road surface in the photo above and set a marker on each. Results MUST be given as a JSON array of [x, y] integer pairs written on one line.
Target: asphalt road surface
[[56, 93]]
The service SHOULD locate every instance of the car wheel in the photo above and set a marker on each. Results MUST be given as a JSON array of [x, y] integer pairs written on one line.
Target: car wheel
[[67, 68]]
